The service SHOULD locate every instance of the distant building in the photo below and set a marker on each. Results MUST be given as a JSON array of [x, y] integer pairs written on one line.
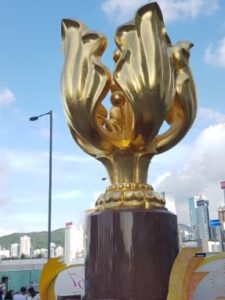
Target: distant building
[[14, 250], [25, 245], [4, 253], [216, 233], [221, 216], [203, 219], [215, 228], [43, 252], [185, 234], [192, 205], [211, 246], [222, 185], [79, 240], [221, 211], [79, 245], [70, 250], [189, 244], [170, 202], [59, 251], [52, 249], [36, 252]]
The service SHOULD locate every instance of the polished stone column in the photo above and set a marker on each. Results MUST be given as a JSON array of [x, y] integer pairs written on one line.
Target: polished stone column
[[130, 254]]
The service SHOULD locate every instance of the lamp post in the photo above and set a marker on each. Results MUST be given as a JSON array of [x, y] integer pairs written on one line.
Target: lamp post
[[34, 118]]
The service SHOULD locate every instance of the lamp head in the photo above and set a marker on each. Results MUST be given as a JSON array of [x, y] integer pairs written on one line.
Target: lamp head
[[33, 118]]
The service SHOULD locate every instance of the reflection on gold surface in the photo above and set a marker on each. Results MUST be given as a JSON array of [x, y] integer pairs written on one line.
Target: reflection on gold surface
[[151, 83]]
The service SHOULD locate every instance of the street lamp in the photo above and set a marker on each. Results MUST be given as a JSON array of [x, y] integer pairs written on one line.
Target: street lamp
[[34, 118]]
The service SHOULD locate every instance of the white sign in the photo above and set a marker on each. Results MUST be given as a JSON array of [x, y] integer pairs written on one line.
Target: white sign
[[70, 282]]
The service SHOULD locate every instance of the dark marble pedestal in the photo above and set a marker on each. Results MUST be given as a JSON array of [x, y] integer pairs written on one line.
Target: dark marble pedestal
[[130, 254]]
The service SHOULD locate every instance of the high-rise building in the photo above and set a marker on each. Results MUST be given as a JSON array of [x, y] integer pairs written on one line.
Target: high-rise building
[[203, 219], [170, 202], [192, 204], [70, 249], [25, 245], [79, 241], [222, 185], [221, 211], [14, 250], [221, 214], [216, 233]]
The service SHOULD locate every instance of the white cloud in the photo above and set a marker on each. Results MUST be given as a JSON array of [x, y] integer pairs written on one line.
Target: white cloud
[[208, 116], [73, 158], [172, 9], [22, 161], [68, 195], [6, 97], [160, 179], [201, 172], [28, 221], [35, 162], [5, 197], [215, 54]]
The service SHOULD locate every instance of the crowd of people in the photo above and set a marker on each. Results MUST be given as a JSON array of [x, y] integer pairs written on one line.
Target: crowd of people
[[24, 294]]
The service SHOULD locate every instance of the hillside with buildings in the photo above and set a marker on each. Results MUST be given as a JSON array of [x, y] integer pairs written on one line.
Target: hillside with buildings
[[66, 243], [38, 239], [22, 255]]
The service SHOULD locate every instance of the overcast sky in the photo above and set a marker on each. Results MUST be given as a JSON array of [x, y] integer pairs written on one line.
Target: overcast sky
[[30, 68]]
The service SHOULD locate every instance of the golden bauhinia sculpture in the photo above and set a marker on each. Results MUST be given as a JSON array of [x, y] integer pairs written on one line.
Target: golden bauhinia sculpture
[[151, 83]]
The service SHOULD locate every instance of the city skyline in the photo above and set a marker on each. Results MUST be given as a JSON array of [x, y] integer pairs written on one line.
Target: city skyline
[[71, 250], [31, 62]]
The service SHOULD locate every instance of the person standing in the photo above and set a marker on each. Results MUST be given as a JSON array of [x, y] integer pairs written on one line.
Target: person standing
[[33, 294], [22, 295], [9, 295]]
